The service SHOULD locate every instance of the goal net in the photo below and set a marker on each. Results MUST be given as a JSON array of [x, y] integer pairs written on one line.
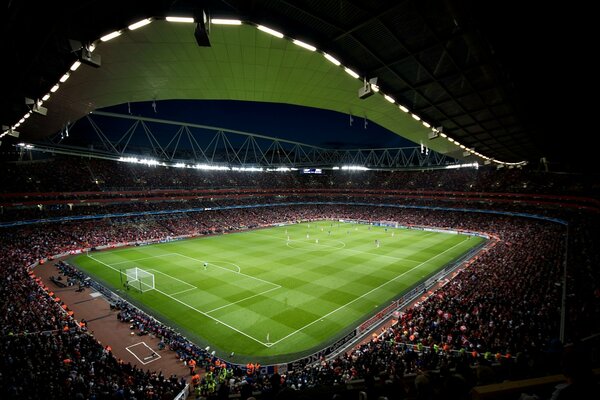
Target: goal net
[[137, 278]]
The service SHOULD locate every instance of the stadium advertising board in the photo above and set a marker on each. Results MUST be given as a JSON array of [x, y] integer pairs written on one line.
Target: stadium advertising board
[[381, 315]]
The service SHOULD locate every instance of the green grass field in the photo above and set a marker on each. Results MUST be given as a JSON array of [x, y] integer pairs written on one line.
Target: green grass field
[[272, 300]]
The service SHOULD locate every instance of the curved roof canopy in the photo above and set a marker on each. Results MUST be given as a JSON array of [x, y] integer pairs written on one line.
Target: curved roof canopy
[[434, 58], [162, 61]]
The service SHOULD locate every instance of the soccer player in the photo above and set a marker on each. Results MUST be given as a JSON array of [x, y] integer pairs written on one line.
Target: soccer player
[[205, 265]]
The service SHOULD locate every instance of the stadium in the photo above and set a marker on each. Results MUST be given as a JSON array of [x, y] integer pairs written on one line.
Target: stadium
[[291, 200]]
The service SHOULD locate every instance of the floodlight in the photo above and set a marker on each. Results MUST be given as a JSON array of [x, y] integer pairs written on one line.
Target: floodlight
[[36, 106], [368, 88], [331, 59], [270, 31], [181, 19], [84, 54], [139, 24], [110, 36], [220, 21], [304, 45], [351, 72]]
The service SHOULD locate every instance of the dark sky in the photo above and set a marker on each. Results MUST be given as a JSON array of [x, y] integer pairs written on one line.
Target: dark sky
[[302, 124]]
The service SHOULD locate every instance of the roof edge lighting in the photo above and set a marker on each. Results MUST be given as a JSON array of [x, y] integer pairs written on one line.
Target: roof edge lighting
[[270, 31], [221, 21], [351, 73], [139, 24], [304, 45], [188, 20], [110, 36], [332, 59]]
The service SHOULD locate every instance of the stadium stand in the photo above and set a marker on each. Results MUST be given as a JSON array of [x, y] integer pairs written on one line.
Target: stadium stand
[[497, 320]]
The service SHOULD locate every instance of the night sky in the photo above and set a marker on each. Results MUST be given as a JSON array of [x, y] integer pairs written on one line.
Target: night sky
[[302, 124]]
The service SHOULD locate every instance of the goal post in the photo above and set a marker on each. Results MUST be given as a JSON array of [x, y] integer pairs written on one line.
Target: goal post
[[139, 279]]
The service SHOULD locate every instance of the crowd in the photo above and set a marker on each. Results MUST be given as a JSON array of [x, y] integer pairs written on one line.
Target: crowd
[[83, 174], [506, 302], [46, 352], [504, 308]]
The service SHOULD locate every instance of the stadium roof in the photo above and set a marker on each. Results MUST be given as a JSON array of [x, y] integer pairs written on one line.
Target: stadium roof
[[452, 63]]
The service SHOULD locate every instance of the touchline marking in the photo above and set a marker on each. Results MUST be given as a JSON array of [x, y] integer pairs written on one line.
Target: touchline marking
[[143, 258], [193, 308], [365, 294], [247, 298], [239, 273]]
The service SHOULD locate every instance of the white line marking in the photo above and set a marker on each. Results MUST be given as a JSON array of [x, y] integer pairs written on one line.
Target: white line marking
[[367, 293], [183, 291], [154, 358], [316, 244], [226, 269], [191, 307], [225, 262], [143, 258], [172, 277], [351, 250], [247, 298]]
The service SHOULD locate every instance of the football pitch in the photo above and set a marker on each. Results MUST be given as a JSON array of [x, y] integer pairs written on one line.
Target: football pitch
[[276, 294]]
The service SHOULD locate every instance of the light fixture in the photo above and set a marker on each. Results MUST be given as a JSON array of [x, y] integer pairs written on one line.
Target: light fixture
[[54, 88], [139, 24], [270, 31], [331, 59], [442, 134], [389, 98], [188, 20], [368, 88], [46, 97], [64, 77], [403, 108], [84, 54], [415, 116], [219, 21], [351, 72], [36, 106], [110, 36], [304, 45], [425, 124]]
